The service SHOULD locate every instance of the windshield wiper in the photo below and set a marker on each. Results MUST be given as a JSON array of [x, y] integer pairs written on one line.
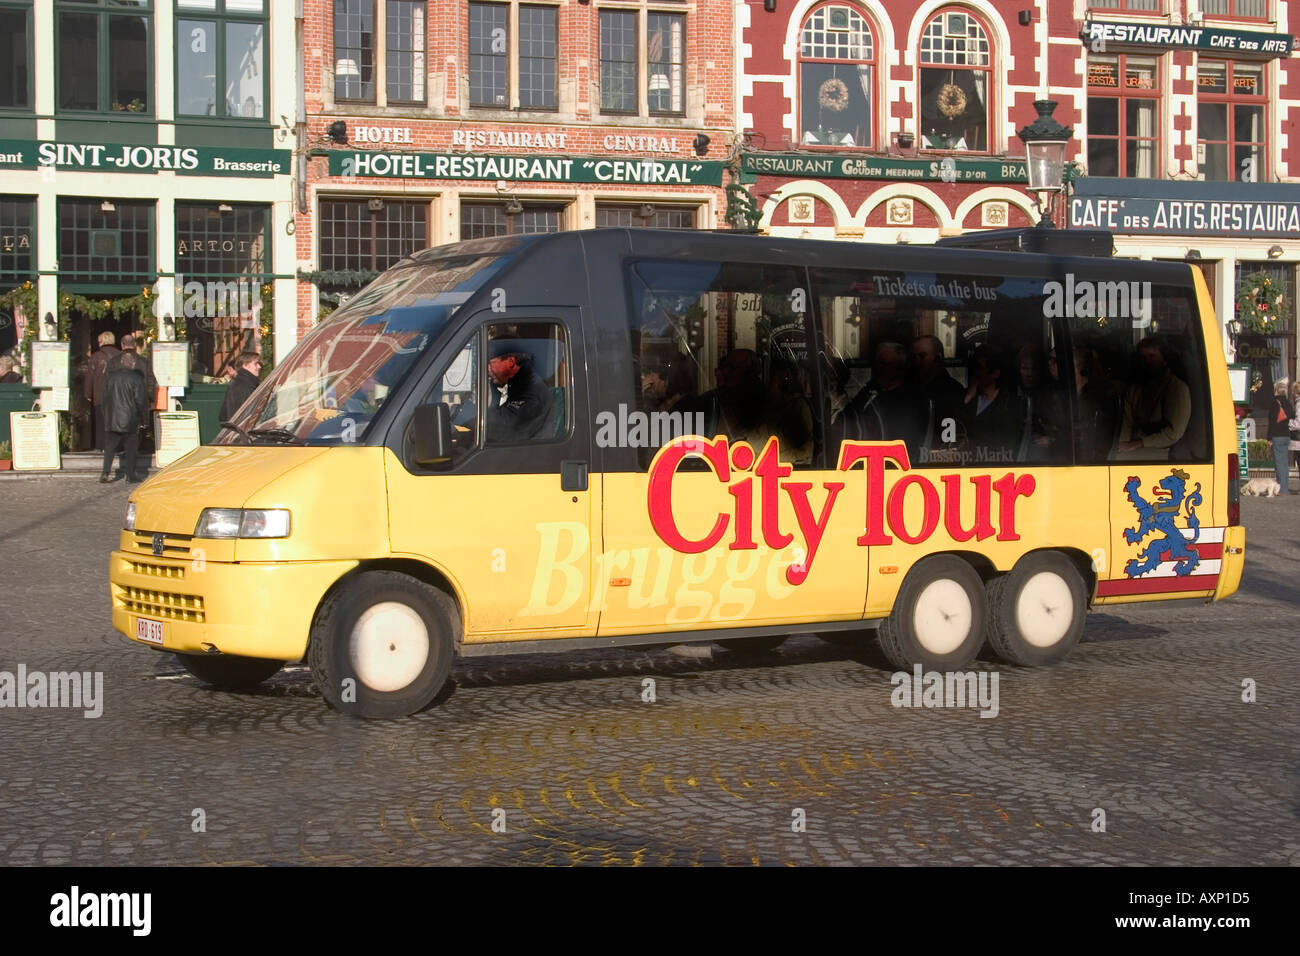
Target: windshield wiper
[[238, 431], [281, 434]]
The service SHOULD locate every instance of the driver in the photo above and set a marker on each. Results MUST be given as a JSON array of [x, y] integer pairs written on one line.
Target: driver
[[519, 402]]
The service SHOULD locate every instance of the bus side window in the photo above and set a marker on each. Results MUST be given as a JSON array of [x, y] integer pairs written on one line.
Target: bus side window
[[1146, 374], [720, 349]]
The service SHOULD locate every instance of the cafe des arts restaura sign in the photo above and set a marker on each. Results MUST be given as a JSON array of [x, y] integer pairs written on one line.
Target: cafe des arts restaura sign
[[129, 158], [524, 168]]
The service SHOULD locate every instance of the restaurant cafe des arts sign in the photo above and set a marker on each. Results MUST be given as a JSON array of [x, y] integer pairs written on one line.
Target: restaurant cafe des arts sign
[[1154, 207]]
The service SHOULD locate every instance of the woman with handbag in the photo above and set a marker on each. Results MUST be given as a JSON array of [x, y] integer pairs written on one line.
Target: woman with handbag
[[1279, 433]]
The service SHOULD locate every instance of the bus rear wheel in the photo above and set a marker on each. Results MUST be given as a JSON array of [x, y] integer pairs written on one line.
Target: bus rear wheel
[[1036, 611], [382, 645], [229, 671], [938, 616]]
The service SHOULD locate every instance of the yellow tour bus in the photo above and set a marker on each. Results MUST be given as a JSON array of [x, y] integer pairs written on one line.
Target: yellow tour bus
[[635, 437]]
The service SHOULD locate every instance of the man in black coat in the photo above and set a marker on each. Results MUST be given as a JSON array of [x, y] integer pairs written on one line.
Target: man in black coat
[[519, 402], [93, 383], [126, 403], [243, 385]]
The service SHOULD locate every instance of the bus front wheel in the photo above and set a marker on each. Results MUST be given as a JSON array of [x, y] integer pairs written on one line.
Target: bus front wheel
[[1036, 611], [383, 644], [938, 616]]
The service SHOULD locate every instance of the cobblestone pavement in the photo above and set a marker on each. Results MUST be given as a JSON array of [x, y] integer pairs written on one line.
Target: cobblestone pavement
[[1145, 721]]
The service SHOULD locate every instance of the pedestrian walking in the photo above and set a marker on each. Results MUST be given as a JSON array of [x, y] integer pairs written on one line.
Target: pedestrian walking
[[93, 384], [1279, 432], [243, 385], [126, 403], [130, 343]]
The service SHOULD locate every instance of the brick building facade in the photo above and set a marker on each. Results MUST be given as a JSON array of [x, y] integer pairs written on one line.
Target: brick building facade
[[892, 121], [454, 120]]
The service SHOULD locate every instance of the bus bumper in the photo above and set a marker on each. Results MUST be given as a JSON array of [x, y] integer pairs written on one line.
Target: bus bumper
[[249, 609], [1232, 562]]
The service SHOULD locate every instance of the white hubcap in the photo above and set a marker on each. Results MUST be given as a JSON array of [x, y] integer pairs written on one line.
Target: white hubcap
[[942, 619], [1044, 609], [389, 646]]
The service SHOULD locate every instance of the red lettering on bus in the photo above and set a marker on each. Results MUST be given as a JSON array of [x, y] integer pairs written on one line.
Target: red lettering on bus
[[1009, 487], [660, 492], [983, 527], [876, 454], [929, 501], [886, 516]]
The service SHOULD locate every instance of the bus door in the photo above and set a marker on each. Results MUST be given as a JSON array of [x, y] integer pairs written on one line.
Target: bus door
[[509, 519], [749, 521]]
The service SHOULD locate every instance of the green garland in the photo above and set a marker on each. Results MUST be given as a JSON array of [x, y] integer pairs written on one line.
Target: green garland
[[265, 335], [341, 278], [1262, 303], [25, 298]]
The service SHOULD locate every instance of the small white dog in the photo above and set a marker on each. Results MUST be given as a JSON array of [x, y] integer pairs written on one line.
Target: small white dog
[[1264, 487]]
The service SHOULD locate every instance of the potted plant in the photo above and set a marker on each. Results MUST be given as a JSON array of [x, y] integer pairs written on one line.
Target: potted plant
[[1261, 453], [6, 456]]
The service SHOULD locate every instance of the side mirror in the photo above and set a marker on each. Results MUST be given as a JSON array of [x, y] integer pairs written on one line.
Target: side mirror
[[431, 433]]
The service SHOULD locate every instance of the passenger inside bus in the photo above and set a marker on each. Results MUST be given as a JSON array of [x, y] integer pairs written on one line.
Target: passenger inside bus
[[789, 415], [1157, 406], [1095, 409], [994, 420], [941, 392], [666, 382], [888, 408]]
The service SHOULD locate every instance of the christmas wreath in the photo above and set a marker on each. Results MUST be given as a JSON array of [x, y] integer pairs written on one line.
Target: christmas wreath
[[833, 95], [1262, 304], [952, 101]]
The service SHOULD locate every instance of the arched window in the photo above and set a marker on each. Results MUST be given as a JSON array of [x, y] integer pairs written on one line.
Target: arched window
[[836, 56], [955, 78]]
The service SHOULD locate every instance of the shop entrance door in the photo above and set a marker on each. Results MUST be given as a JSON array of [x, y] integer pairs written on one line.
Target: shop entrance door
[[83, 336]]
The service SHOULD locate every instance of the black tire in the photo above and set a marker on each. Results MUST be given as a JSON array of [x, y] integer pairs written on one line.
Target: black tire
[[753, 646], [385, 682], [229, 671], [1034, 620], [951, 626]]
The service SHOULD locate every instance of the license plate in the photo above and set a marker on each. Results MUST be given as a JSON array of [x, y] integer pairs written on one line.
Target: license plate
[[151, 632]]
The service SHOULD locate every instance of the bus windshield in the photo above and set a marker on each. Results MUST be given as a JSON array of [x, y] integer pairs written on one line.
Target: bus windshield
[[329, 388]]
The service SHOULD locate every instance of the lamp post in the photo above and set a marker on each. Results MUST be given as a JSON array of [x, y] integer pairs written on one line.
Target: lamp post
[[1045, 141]]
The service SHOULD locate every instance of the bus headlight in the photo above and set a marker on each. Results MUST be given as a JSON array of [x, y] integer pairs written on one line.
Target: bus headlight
[[243, 523], [130, 516]]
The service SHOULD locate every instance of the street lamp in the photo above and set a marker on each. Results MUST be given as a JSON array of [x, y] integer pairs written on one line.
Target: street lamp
[[1045, 141]]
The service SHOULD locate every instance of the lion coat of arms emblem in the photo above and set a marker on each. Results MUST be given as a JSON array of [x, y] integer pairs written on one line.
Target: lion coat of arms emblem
[[1172, 501]]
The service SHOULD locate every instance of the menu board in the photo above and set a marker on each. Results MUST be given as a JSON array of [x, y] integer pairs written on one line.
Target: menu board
[[178, 435], [35, 437], [171, 363], [50, 364]]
